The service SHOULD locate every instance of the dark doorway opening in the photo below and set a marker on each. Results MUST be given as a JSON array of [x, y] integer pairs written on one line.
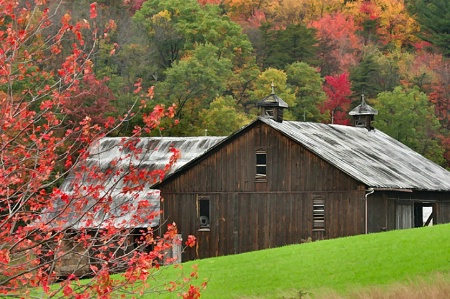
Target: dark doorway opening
[[424, 213]]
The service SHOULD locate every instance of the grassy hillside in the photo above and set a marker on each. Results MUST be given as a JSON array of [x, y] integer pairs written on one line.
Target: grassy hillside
[[340, 265]]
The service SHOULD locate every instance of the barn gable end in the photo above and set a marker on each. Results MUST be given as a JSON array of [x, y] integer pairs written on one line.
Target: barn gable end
[[245, 213], [276, 183]]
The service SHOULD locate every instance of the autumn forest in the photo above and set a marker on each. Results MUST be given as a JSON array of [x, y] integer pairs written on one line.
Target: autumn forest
[[214, 59], [75, 71]]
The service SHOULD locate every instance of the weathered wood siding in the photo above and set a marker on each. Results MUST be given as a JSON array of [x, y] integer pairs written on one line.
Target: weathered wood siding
[[380, 212], [444, 211], [232, 168], [247, 215], [383, 206], [242, 222]]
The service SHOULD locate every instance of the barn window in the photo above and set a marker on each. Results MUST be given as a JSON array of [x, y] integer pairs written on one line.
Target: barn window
[[269, 111], [261, 165], [203, 212], [319, 214]]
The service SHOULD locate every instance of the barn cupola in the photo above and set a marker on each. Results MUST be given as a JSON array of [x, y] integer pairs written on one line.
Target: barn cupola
[[363, 115], [272, 106]]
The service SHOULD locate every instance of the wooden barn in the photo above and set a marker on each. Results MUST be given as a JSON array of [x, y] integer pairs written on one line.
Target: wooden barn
[[278, 182]]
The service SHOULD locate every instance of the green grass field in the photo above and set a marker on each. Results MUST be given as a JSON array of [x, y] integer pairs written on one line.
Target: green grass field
[[403, 264], [339, 266]]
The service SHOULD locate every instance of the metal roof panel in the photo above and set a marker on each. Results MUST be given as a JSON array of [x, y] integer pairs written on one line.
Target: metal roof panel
[[371, 157]]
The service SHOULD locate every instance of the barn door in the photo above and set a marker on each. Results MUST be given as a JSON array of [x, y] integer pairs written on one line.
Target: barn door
[[404, 216], [424, 213]]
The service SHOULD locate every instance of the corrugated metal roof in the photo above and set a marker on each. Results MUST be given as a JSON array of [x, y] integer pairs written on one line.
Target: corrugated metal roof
[[371, 157], [149, 153]]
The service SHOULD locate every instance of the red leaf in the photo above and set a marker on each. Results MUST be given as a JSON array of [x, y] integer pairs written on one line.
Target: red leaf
[[93, 10], [65, 19], [46, 105], [67, 291], [138, 86], [191, 241], [151, 92]]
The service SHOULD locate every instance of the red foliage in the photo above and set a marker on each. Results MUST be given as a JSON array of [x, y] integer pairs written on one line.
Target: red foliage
[[191, 241], [368, 18], [93, 10], [89, 98], [338, 100], [134, 5], [51, 118], [340, 33], [368, 9]]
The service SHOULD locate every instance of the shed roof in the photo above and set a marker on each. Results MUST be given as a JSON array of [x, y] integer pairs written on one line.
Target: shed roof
[[149, 153], [371, 157]]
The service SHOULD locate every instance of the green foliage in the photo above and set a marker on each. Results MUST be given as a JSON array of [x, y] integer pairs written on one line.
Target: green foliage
[[307, 85], [379, 71], [408, 116], [365, 77], [201, 54], [223, 117], [283, 47], [434, 19], [176, 27], [389, 68], [279, 79], [192, 84]]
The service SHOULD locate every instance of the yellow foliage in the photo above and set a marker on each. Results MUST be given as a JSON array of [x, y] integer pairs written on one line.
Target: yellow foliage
[[303, 11], [163, 15], [395, 25]]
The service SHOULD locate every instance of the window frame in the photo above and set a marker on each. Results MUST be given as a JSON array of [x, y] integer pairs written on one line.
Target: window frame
[[319, 214], [203, 210], [261, 176]]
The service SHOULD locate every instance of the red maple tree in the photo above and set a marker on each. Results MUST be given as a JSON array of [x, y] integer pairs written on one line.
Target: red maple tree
[[41, 225], [338, 100]]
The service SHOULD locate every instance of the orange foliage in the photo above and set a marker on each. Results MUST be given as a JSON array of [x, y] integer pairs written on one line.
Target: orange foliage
[[394, 24]]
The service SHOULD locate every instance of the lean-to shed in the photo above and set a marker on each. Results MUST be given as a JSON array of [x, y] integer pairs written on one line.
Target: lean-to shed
[[113, 188]]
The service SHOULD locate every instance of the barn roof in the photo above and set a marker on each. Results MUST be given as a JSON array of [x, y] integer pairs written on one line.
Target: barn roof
[[152, 152], [149, 153], [371, 157]]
